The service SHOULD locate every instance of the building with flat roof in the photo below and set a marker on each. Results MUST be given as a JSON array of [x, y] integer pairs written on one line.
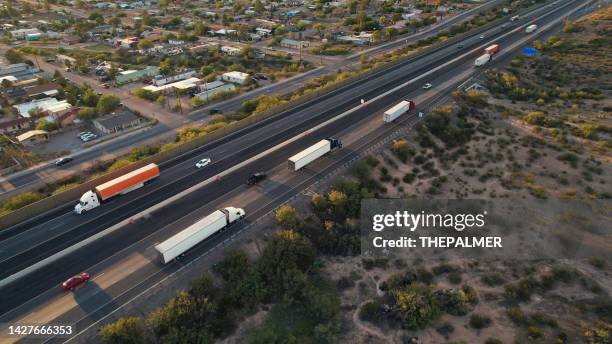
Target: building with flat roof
[[133, 75], [211, 89], [291, 43], [117, 122], [182, 85], [51, 106], [33, 137], [21, 71], [235, 77]]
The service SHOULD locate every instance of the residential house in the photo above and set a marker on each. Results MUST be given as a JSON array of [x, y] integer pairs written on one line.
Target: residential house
[[133, 75], [293, 14], [231, 51], [50, 106], [14, 125], [211, 89], [117, 122], [21, 71], [293, 44], [43, 91], [235, 77], [351, 39], [263, 32], [182, 85], [70, 40], [22, 33]]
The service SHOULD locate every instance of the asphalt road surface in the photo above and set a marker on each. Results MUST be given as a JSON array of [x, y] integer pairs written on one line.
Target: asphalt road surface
[[36, 176], [49, 234], [124, 274]]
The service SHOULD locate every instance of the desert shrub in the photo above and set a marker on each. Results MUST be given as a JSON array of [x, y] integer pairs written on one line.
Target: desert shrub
[[372, 312], [492, 279], [479, 321], [21, 200], [401, 149], [454, 277]]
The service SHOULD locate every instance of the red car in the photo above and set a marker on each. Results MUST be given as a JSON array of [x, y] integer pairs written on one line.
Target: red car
[[75, 281], [147, 81]]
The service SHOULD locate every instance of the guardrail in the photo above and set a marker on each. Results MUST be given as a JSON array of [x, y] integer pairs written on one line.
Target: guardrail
[[51, 202]]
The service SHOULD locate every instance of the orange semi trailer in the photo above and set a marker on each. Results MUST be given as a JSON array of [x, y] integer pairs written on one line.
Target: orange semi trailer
[[118, 186]]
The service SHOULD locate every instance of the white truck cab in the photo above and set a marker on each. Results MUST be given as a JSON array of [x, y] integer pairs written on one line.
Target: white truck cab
[[88, 201], [234, 214]]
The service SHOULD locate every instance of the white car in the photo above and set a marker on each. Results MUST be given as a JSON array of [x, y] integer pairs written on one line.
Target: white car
[[482, 36], [203, 162], [88, 138], [427, 86]]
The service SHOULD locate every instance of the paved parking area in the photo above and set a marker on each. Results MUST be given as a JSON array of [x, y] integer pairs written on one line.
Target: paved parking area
[[64, 143]]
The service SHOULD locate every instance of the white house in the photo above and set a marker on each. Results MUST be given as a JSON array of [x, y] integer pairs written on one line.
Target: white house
[[263, 32], [235, 77], [22, 33], [231, 51], [210, 89], [50, 105]]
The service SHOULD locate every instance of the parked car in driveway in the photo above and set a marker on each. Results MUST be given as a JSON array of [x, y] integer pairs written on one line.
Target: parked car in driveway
[[76, 281], [63, 161], [88, 138]]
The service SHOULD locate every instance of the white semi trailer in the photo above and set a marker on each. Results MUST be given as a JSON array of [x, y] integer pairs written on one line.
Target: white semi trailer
[[197, 232], [313, 152], [398, 110], [482, 60]]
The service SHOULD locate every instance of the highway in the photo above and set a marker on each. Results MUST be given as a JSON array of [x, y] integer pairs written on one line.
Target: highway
[[41, 238], [166, 129], [444, 68]]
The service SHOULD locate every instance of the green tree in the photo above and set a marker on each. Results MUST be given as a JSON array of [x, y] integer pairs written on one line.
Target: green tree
[[108, 103], [287, 217], [259, 7], [87, 113], [166, 66], [288, 251], [401, 149], [266, 103], [417, 306], [145, 44], [130, 330], [247, 52], [248, 106], [13, 56], [89, 97], [161, 100], [197, 101], [45, 125], [145, 94]]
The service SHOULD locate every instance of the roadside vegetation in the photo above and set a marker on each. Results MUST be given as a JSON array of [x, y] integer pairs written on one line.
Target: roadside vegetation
[[310, 283]]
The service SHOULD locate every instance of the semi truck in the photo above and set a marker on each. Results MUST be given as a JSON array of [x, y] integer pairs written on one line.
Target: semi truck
[[202, 229], [398, 110], [531, 28], [118, 186], [313, 152], [492, 49], [482, 60]]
